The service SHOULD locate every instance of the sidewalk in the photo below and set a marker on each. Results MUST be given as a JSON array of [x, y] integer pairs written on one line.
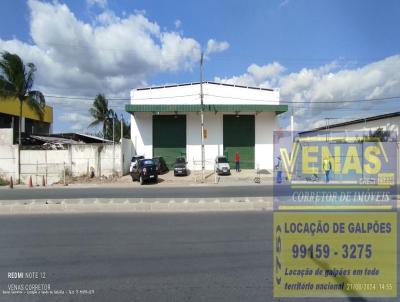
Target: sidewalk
[[243, 178]]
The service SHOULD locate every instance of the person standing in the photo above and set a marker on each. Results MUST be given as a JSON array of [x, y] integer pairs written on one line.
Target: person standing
[[327, 167], [278, 168], [237, 161]]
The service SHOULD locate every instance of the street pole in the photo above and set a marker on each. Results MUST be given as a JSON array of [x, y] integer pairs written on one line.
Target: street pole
[[122, 127], [113, 144], [202, 118]]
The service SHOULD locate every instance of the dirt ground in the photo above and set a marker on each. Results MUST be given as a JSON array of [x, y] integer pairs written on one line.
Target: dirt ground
[[194, 177]]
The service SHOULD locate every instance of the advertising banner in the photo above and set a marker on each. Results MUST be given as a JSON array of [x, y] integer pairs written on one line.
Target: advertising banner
[[335, 219]]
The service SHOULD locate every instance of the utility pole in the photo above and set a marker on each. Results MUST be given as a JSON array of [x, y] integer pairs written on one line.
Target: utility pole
[[202, 118], [122, 127], [113, 144]]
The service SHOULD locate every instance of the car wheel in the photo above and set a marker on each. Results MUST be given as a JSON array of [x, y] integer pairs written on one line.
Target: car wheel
[[141, 180]]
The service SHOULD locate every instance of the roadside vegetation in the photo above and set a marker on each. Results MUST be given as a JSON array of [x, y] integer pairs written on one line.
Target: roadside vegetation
[[103, 117]]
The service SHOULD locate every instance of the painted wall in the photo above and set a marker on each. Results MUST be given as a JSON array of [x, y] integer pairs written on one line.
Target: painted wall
[[212, 144], [265, 124], [142, 133], [213, 94], [11, 106]]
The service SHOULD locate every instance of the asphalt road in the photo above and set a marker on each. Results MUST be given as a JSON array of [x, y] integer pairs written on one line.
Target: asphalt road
[[149, 191], [143, 257]]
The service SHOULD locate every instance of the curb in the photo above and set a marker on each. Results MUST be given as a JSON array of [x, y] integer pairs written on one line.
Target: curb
[[139, 205]]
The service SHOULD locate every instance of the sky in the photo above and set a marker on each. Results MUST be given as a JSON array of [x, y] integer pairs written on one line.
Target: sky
[[331, 60]]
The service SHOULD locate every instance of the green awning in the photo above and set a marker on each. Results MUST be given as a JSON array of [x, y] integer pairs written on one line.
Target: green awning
[[209, 108]]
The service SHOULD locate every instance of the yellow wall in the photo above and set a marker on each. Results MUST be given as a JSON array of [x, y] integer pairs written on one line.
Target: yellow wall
[[11, 106]]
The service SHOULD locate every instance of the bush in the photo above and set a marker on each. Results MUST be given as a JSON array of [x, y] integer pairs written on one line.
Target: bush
[[4, 181]]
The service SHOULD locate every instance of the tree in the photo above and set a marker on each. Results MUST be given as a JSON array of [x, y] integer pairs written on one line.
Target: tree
[[16, 81], [102, 115]]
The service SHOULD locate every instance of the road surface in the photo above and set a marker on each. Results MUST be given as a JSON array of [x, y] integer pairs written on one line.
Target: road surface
[[143, 257], [149, 191]]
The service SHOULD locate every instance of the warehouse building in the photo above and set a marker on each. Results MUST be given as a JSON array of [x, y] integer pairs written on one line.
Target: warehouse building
[[165, 121], [31, 122]]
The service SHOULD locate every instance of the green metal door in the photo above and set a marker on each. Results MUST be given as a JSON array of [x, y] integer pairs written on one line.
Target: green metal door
[[239, 136], [169, 137]]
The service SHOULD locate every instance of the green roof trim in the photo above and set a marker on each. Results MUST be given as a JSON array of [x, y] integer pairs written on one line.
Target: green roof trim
[[210, 108]]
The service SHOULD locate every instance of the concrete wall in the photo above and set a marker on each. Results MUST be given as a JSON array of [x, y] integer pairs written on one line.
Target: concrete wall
[[127, 150], [8, 155], [77, 160]]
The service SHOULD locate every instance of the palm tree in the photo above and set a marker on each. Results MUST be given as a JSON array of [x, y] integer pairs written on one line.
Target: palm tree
[[102, 115], [16, 81]]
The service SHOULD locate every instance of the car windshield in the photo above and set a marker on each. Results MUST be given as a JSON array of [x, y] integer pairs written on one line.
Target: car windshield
[[222, 160], [146, 162], [180, 160]]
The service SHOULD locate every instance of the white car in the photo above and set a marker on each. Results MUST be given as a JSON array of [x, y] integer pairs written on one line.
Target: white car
[[221, 166]]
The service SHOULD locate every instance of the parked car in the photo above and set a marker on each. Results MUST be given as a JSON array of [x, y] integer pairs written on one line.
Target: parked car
[[145, 171], [221, 166], [134, 163], [180, 167], [161, 165]]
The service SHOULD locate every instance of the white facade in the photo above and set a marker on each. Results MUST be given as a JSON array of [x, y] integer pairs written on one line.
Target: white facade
[[214, 94]]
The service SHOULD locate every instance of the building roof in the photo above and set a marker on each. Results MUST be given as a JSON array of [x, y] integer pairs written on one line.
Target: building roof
[[206, 82], [62, 139], [82, 138], [356, 121], [216, 97]]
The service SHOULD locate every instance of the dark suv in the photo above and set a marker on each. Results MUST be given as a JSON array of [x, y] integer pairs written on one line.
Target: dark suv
[[180, 167], [145, 171]]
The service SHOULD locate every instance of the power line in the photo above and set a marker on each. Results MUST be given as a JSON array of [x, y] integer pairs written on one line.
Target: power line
[[310, 102], [116, 98], [226, 97]]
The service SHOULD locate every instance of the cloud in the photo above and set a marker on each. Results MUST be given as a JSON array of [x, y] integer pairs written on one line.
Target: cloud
[[319, 91], [112, 55], [216, 46], [266, 76], [99, 3], [77, 121], [178, 23]]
